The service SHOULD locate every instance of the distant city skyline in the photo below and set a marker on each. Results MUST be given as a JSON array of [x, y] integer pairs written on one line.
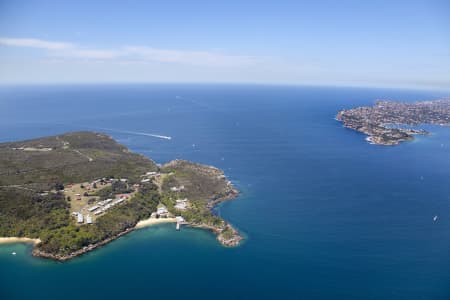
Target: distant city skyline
[[347, 43]]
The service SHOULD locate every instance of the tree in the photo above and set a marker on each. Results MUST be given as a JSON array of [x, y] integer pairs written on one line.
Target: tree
[[59, 186]]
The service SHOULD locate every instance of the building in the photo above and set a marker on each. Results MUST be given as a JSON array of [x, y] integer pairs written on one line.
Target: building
[[120, 200], [177, 189], [88, 219], [162, 210], [80, 218], [181, 204], [93, 208]]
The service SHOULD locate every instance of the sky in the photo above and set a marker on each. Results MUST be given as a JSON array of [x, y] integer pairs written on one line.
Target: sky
[[344, 43]]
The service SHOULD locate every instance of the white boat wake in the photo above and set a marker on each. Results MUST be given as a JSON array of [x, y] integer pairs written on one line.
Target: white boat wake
[[165, 137]]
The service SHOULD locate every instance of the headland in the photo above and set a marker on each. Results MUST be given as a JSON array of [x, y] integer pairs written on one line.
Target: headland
[[73, 193], [381, 121]]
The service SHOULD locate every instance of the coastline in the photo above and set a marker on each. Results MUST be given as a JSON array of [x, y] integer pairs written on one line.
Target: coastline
[[232, 241], [226, 242], [236, 238], [12, 240], [38, 253], [141, 224], [390, 123], [232, 194]]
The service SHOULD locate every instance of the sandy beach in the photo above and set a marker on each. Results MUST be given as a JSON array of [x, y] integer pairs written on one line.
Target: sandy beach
[[9, 240], [154, 221]]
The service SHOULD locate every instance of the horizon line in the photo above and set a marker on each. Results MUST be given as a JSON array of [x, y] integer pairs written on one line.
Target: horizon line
[[224, 83]]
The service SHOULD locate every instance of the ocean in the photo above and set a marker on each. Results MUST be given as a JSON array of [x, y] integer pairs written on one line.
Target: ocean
[[325, 214]]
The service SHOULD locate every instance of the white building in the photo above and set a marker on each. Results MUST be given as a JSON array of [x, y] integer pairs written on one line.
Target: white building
[[120, 200], [181, 204], [177, 188], [80, 218], [93, 208], [162, 210]]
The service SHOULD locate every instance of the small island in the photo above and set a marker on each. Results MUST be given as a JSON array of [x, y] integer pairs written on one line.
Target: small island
[[72, 193], [382, 122]]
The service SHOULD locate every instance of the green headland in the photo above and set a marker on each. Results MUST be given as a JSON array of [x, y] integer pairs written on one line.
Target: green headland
[[74, 192]]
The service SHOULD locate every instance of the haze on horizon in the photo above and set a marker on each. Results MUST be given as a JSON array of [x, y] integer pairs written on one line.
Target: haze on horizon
[[356, 43]]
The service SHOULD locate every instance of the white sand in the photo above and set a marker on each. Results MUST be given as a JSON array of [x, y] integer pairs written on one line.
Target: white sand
[[154, 221], [9, 240]]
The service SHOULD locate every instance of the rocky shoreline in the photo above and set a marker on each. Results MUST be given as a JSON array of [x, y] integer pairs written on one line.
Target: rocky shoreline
[[233, 241], [38, 253], [235, 238], [230, 242]]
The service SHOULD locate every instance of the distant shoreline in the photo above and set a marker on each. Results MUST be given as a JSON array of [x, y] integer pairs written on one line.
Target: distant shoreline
[[377, 121]]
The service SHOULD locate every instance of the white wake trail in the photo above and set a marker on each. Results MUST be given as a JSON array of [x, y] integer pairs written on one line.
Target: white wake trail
[[165, 137]]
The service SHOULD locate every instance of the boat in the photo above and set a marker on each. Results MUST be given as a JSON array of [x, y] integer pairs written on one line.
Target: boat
[[14, 253], [435, 218]]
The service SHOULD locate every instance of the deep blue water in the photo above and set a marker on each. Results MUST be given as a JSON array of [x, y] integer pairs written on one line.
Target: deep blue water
[[325, 214]]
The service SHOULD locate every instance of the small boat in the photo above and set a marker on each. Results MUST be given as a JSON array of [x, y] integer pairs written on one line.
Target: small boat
[[435, 218], [14, 253]]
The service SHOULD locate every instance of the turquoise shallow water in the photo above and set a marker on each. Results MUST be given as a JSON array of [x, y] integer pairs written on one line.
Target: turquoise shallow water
[[325, 214]]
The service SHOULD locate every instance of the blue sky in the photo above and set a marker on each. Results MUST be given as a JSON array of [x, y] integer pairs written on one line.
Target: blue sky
[[355, 43]]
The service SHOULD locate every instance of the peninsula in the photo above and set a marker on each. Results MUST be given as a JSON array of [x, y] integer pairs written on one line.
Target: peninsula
[[382, 122], [75, 192]]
